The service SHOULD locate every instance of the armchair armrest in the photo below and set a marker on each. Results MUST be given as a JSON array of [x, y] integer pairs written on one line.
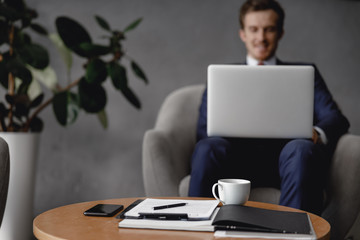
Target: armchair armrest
[[160, 177], [344, 186], [4, 175], [168, 147]]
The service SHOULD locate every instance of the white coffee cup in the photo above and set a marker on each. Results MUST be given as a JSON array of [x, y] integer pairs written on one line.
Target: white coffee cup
[[232, 191]]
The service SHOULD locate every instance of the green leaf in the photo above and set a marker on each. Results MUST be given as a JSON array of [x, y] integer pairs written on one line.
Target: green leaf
[[9, 12], [34, 89], [21, 102], [23, 88], [133, 25], [72, 34], [3, 111], [118, 75], [47, 77], [65, 107], [102, 22], [21, 111], [21, 39], [60, 107], [73, 107], [102, 116], [63, 50], [93, 50], [131, 97], [4, 75], [18, 5], [10, 98], [3, 31], [25, 22], [19, 70], [119, 80], [96, 71], [138, 71], [38, 28], [37, 101], [35, 55], [36, 125], [92, 96]]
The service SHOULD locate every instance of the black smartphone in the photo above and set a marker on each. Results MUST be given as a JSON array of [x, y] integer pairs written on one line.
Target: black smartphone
[[104, 210]]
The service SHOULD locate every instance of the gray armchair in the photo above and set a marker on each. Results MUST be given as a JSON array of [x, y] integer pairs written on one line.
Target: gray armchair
[[4, 175], [167, 150]]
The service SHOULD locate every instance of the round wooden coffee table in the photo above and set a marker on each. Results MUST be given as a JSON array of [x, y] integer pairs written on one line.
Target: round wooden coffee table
[[68, 222]]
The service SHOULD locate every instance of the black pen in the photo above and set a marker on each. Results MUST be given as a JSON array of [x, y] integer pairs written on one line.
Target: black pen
[[164, 216], [170, 206]]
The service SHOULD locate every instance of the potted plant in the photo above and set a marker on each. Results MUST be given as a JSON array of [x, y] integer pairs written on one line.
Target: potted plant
[[25, 70]]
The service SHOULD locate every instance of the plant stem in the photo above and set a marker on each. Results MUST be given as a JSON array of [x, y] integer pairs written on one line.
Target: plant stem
[[45, 104], [11, 52], [11, 79], [71, 85]]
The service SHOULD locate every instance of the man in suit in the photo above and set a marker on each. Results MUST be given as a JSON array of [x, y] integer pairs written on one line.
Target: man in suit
[[298, 167]]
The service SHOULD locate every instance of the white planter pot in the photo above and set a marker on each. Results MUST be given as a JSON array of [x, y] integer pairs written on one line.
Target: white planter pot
[[18, 216]]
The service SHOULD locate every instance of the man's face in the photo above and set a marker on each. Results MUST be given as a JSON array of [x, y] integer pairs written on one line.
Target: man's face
[[260, 34]]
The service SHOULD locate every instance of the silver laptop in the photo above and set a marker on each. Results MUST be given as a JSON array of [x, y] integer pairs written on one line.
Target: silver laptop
[[260, 101]]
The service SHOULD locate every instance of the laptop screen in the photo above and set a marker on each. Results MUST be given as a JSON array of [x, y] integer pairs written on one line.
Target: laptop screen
[[260, 101]]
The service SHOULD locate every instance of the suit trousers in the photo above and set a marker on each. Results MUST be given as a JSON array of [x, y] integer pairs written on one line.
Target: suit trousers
[[297, 167]]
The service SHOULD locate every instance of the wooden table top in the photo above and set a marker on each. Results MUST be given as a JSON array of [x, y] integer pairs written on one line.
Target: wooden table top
[[69, 222]]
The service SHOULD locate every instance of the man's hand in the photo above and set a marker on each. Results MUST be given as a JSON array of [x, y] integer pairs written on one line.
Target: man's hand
[[316, 138]]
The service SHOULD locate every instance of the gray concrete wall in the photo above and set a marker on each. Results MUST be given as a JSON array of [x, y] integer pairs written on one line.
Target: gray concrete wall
[[174, 44]]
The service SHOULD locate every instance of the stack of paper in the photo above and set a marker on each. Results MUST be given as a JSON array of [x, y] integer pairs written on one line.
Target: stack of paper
[[203, 225], [200, 215], [227, 221]]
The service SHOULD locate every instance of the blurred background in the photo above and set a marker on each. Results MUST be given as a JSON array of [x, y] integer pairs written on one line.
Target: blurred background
[[174, 44]]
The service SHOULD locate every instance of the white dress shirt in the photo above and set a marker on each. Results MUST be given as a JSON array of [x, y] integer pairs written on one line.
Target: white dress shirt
[[253, 62]]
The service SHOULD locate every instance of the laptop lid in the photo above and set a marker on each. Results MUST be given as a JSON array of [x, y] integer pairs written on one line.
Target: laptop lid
[[260, 101]]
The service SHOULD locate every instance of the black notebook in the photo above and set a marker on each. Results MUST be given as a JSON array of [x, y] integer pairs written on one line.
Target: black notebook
[[243, 218]]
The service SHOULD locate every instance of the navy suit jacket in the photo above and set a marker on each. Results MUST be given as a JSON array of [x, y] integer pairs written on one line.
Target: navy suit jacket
[[327, 115]]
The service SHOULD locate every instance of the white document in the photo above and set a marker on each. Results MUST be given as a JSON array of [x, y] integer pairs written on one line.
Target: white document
[[204, 225], [195, 209]]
